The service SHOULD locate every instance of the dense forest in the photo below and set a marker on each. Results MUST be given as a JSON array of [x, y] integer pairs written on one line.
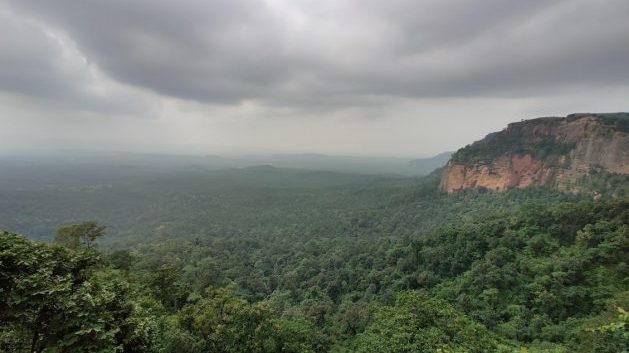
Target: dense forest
[[314, 176], [272, 260]]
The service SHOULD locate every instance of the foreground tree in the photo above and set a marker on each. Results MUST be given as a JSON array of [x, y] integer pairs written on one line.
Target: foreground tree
[[57, 300]]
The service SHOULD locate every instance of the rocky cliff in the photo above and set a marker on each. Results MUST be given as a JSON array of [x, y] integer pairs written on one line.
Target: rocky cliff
[[558, 152]]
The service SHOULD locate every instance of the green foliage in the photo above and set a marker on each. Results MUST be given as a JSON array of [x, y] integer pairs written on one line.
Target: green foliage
[[532, 275], [57, 300], [507, 143], [388, 265], [617, 121], [230, 324], [608, 331], [618, 328], [79, 235], [121, 259], [222, 322], [418, 323], [604, 184], [167, 285]]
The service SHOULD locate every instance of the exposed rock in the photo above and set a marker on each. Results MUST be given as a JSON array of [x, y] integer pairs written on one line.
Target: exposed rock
[[555, 152]]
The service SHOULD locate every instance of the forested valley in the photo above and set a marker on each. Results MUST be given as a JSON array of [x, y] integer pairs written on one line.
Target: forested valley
[[282, 260], [286, 176]]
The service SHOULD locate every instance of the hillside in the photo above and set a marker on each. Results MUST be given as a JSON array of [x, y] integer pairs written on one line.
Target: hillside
[[577, 153]]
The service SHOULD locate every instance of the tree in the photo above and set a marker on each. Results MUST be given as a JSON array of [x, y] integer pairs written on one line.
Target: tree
[[79, 235], [418, 323], [168, 287], [121, 259], [229, 324], [56, 300]]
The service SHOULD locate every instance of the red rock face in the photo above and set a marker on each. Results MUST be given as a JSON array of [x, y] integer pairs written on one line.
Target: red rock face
[[516, 171], [596, 145], [524, 171]]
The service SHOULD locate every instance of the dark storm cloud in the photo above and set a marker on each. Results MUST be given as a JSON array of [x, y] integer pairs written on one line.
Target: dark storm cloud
[[38, 63], [318, 53]]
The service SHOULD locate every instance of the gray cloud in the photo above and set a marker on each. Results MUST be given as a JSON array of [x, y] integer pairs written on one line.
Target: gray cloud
[[334, 76], [42, 63], [346, 52]]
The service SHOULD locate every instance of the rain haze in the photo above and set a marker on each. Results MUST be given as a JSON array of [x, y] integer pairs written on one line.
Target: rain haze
[[345, 77]]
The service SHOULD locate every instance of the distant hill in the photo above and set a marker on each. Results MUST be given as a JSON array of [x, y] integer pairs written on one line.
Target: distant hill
[[427, 165], [164, 162], [578, 153], [354, 164]]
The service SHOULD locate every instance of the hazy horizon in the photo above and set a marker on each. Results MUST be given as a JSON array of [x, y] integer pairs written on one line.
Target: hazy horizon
[[17, 152], [396, 78]]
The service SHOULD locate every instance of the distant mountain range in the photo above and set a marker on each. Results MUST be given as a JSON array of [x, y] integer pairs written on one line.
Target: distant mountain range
[[354, 164], [309, 161]]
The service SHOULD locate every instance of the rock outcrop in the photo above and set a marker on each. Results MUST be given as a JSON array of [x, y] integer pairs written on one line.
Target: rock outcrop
[[555, 152]]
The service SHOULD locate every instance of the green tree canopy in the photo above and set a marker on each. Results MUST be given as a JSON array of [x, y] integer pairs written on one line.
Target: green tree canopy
[[56, 300], [418, 323], [79, 235]]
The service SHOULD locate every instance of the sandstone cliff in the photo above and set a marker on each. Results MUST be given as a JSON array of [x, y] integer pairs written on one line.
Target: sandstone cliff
[[557, 152]]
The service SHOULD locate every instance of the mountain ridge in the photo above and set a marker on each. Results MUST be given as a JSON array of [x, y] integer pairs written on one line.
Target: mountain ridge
[[564, 153]]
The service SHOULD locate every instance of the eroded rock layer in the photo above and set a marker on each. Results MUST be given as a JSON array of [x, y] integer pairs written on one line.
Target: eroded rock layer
[[556, 152]]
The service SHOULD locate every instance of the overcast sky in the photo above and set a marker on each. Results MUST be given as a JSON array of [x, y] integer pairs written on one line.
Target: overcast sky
[[364, 77]]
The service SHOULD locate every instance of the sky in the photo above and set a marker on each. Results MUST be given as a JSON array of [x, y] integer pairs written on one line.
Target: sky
[[408, 78]]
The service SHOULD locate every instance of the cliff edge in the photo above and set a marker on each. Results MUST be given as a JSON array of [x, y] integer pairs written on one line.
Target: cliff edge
[[559, 152]]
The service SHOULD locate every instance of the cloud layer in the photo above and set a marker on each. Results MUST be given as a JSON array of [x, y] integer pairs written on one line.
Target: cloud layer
[[288, 61]]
